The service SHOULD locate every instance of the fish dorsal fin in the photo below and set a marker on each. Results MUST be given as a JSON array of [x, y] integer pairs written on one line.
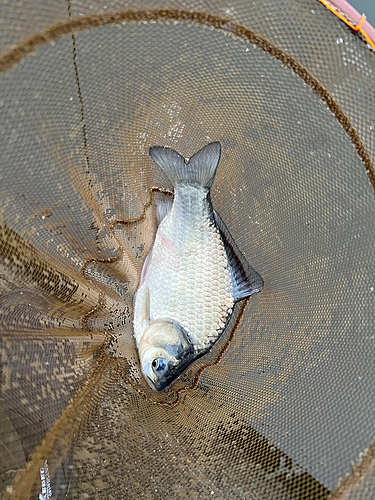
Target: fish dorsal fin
[[246, 281], [200, 169]]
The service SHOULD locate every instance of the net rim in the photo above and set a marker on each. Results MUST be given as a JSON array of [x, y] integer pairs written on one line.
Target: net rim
[[350, 16], [17, 53]]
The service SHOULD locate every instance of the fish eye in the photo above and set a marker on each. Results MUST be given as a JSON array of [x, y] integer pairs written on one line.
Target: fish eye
[[159, 365]]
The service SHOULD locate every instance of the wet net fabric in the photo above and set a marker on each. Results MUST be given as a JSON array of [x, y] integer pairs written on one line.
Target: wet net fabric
[[282, 408]]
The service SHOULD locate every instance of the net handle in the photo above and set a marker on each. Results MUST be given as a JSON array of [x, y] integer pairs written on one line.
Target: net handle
[[344, 11]]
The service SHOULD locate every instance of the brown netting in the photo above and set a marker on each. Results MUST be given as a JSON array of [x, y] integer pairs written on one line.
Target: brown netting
[[282, 407]]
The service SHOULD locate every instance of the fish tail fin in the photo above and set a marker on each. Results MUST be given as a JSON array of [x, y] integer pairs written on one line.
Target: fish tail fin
[[200, 169]]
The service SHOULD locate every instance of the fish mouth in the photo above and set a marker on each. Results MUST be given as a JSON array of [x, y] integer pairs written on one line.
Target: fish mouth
[[185, 358]]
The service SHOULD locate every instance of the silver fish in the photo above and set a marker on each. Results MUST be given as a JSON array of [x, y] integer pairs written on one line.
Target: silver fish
[[193, 275]]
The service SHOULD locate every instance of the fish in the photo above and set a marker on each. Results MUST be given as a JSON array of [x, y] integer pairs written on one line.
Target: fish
[[193, 275]]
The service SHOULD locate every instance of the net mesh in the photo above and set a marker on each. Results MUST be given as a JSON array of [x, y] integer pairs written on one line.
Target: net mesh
[[282, 407]]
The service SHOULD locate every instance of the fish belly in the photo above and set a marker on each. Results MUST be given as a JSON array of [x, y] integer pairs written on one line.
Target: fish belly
[[189, 278]]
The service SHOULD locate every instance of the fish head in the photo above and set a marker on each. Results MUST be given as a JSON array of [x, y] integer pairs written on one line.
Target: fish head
[[165, 350]]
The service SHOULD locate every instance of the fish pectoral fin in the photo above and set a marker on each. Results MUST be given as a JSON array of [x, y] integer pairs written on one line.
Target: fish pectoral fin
[[145, 267], [145, 320], [246, 281]]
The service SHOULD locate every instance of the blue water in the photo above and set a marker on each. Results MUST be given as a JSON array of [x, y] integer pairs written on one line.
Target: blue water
[[365, 7]]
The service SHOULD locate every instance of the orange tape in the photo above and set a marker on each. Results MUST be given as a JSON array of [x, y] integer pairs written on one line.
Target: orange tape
[[358, 27], [361, 23]]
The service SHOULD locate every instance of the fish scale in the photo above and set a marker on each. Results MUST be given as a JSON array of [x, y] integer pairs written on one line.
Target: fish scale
[[205, 264]]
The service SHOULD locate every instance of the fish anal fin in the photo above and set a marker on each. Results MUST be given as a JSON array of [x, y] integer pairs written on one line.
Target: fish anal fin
[[246, 281], [163, 204]]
